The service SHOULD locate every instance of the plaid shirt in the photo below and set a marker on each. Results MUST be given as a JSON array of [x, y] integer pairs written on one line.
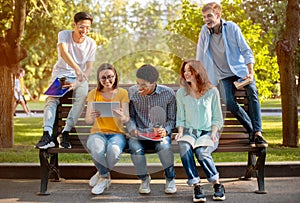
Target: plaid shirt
[[157, 108]]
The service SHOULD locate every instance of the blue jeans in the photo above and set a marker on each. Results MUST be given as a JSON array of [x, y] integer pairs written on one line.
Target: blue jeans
[[203, 155], [106, 150], [252, 120], [79, 94], [163, 148]]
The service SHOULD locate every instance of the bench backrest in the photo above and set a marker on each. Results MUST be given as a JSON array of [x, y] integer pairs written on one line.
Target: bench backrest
[[233, 134]]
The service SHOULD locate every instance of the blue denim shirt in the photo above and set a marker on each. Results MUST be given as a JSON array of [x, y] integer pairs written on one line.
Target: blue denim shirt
[[238, 52]]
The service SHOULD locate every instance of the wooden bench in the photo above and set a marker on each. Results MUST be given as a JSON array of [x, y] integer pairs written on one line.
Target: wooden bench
[[234, 138]]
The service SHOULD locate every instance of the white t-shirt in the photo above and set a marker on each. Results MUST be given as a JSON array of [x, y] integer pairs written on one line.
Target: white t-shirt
[[81, 54]]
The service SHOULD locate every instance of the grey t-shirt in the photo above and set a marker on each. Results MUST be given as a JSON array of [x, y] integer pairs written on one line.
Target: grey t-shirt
[[81, 54], [218, 51]]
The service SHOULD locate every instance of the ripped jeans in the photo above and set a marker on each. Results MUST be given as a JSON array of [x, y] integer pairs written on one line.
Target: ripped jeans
[[106, 150], [203, 155]]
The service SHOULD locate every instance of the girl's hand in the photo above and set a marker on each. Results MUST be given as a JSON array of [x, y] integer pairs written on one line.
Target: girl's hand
[[119, 113], [178, 135], [214, 137], [95, 114]]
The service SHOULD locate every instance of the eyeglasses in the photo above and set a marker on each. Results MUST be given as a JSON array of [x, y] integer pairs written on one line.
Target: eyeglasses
[[82, 27], [109, 77]]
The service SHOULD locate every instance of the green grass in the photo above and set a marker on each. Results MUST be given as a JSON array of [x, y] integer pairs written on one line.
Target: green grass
[[29, 130], [271, 103]]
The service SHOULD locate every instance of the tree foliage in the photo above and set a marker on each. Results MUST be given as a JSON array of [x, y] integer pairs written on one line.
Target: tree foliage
[[266, 67]]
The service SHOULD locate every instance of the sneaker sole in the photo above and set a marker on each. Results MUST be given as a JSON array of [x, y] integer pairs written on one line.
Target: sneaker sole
[[144, 191], [49, 145], [199, 200], [170, 191], [261, 145], [62, 147], [219, 198]]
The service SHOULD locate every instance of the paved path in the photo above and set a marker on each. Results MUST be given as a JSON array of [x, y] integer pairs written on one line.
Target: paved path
[[281, 190]]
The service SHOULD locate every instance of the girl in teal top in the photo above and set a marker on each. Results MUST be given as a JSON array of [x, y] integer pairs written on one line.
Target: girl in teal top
[[199, 115]]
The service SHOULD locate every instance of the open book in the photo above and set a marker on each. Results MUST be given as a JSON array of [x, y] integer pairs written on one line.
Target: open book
[[56, 90], [149, 136], [204, 140], [240, 84]]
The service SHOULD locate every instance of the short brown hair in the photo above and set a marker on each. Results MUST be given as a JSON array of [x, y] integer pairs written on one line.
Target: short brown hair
[[215, 7]]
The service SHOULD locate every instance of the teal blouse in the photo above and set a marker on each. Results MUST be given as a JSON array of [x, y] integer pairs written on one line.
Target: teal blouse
[[200, 113]]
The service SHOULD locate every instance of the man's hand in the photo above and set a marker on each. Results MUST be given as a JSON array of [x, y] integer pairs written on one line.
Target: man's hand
[[80, 75], [134, 133]]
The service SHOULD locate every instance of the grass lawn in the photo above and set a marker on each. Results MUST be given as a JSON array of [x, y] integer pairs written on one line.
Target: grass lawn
[[29, 130]]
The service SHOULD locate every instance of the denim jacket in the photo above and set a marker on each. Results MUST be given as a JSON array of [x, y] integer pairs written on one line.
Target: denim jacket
[[238, 52]]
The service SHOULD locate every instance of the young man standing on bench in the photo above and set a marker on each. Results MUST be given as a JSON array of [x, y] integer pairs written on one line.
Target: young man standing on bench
[[76, 53], [227, 57]]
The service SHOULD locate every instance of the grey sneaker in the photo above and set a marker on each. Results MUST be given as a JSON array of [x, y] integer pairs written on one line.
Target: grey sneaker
[[45, 142], [102, 184], [219, 192], [170, 187], [145, 186], [94, 179], [63, 140], [199, 194]]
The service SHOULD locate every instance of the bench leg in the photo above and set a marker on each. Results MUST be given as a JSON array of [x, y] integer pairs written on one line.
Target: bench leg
[[54, 167], [47, 169], [260, 167], [250, 167], [44, 171]]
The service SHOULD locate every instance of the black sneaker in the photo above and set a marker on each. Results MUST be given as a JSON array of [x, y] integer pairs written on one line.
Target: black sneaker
[[199, 194], [260, 142], [219, 192], [63, 140], [45, 142], [251, 140]]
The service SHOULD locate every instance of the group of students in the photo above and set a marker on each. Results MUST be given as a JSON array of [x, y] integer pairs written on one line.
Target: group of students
[[222, 55]]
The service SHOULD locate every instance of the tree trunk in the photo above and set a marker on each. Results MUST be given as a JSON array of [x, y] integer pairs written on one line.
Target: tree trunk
[[11, 53], [286, 60], [6, 108]]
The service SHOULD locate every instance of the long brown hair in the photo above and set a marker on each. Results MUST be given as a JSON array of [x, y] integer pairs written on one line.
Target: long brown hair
[[197, 69], [106, 66]]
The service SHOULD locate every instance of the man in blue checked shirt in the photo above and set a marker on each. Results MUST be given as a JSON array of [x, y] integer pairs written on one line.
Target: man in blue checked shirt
[[151, 104]]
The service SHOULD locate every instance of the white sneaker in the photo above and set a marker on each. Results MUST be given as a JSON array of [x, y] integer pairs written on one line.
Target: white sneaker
[[170, 187], [94, 179], [145, 186], [102, 184]]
